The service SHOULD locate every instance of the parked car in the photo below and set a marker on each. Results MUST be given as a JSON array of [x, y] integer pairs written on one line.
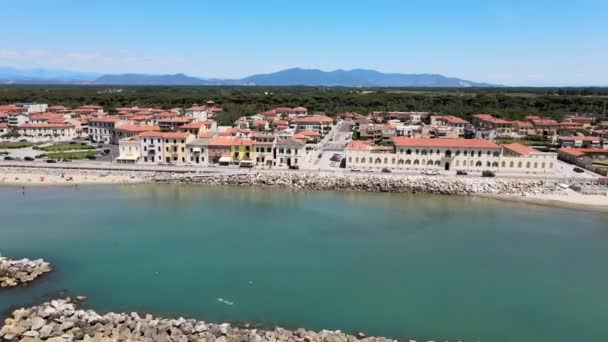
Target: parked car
[[461, 173], [578, 170], [430, 172], [106, 151], [28, 158], [320, 155], [487, 173], [91, 157], [9, 158], [51, 161], [294, 167], [355, 170], [385, 170]]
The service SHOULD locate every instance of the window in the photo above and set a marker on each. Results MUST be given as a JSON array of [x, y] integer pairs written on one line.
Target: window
[[350, 159], [479, 153], [356, 159], [408, 151], [465, 152], [378, 161], [408, 162], [385, 160], [519, 165], [393, 161], [416, 162], [542, 165], [363, 160], [511, 164], [430, 162], [527, 165], [495, 164], [535, 165], [503, 164], [478, 164]]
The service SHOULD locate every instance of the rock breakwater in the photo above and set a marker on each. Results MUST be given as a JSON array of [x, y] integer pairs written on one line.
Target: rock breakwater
[[374, 183], [21, 272], [62, 321]]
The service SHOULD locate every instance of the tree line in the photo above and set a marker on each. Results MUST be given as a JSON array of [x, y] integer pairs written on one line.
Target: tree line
[[508, 103]]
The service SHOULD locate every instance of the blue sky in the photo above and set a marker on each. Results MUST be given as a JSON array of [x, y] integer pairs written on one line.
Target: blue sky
[[512, 42]]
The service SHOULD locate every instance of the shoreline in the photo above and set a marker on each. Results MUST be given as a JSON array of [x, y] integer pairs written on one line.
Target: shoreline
[[593, 203], [527, 191], [63, 320]]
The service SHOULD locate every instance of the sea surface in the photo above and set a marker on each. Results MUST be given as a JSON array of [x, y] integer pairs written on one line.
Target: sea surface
[[404, 266]]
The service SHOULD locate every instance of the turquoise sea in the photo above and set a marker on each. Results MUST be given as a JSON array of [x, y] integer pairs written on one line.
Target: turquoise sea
[[405, 266]]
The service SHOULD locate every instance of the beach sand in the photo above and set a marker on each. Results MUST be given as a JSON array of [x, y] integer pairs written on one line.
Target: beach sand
[[567, 199], [42, 177]]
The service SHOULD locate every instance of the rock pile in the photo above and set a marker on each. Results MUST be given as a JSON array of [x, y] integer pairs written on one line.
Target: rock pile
[[62, 321], [375, 183], [16, 272]]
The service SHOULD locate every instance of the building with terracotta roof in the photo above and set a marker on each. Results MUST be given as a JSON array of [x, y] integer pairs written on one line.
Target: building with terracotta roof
[[199, 127], [171, 124], [58, 131], [164, 147], [585, 157], [451, 121], [288, 153], [470, 155], [503, 128], [102, 129], [318, 123], [129, 150], [580, 141], [131, 130]]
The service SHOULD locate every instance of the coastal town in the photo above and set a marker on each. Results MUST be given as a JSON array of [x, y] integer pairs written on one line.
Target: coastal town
[[301, 139]]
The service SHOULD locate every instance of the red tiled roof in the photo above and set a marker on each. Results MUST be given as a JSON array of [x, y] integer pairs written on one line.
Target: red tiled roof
[[300, 110], [520, 149], [90, 107], [197, 124], [314, 118], [110, 119], [453, 143], [359, 145], [544, 122], [206, 135], [309, 133], [3, 125], [453, 119], [176, 135], [522, 124], [228, 141], [577, 152], [137, 128], [197, 108]]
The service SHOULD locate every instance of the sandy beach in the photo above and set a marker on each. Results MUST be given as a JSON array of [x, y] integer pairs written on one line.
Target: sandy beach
[[41, 177], [567, 199]]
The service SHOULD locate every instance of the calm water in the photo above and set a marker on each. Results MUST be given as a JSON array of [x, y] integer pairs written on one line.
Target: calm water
[[445, 268]]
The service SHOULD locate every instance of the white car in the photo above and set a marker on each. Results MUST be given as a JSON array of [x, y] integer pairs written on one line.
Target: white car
[[430, 172]]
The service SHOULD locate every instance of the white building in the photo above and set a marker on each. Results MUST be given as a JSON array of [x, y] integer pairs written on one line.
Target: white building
[[470, 155], [102, 129], [199, 113], [288, 153], [54, 131], [129, 149], [319, 123], [151, 147]]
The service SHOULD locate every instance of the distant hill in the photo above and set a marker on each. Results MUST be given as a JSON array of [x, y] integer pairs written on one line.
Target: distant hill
[[141, 79], [289, 77], [39, 75], [357, 78]]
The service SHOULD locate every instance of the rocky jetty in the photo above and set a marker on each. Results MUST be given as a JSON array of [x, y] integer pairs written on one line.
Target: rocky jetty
[[21, 272], [374, 183], [62, 321]]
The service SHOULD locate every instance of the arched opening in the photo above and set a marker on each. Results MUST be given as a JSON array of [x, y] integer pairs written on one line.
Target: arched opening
[[478, 164], [430, 162], [495, 164], [416, 162], [448, 153], [378, 161], [408, 162], [437, 162], [400, 161], [408, 151]]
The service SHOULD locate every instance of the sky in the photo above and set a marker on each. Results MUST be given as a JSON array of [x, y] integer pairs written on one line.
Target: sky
[[510, 42]]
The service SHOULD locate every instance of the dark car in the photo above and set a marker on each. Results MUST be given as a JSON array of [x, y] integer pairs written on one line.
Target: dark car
[[385, 170], [100, 146], [488, 174], [91, 157], [106, 152], [28, 158], [51, 161], [461, 173], [320, 155], [294, 167], [578, 170], [9, 158]]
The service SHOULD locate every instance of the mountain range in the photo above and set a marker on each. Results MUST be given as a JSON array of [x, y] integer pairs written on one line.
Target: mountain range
[[288, 77]]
